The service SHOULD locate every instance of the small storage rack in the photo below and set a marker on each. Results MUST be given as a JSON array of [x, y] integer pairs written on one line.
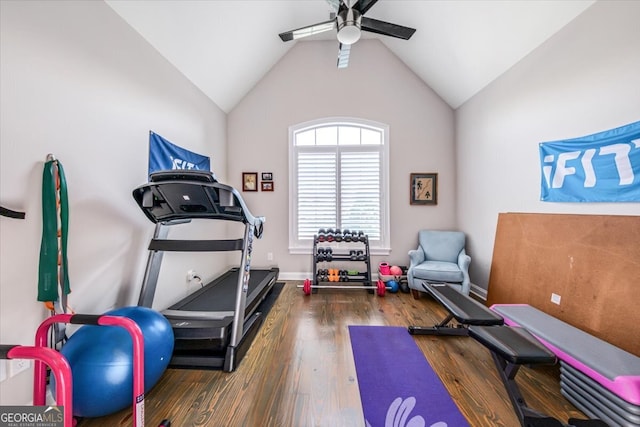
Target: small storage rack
[[385, 275], [350, 246]]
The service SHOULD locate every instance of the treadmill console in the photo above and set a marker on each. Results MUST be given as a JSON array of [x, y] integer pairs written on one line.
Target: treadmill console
[[182, 175], [189, 194]]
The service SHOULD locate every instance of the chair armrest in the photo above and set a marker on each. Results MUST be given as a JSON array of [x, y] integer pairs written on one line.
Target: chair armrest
[[464, 261], [416, 256]]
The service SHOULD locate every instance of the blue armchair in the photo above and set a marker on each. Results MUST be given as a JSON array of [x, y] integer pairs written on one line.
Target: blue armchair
[[440, 257]]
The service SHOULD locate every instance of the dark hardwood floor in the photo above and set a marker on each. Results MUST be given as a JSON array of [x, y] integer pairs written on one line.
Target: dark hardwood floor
[[299, 371]]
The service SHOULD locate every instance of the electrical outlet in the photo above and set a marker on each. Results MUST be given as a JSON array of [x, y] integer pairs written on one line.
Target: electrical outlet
[[555, 298], [18, 365], [269, 256], [3, 370], [191, 274]]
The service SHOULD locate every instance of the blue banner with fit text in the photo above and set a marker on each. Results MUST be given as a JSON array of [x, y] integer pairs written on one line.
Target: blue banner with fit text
[[603, 167], [164, 155]]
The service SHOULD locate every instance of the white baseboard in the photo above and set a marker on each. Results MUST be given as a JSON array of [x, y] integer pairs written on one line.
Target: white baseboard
[[293, 276], [479, 292]]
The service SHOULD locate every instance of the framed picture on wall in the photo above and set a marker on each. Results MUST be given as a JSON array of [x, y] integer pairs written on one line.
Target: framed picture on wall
[[424, 189], [267, 176], [267, 185], [249, 181]]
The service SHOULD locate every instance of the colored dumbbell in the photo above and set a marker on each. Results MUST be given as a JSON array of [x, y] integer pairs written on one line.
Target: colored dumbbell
[[324, 254], [382, 287], [328, 254], [392, 286], [404, 287], [330, 235]]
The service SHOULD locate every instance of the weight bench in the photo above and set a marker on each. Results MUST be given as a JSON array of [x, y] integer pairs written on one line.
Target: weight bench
[[510, 347], [465, 311]]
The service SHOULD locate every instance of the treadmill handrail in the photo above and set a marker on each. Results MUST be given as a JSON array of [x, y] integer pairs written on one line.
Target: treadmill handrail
[[172, 245]]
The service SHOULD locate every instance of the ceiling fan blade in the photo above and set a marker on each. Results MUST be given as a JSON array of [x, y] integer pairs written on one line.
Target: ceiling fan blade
[[308, 30], [364, 5], [334, 5], [343, 55], [386, 28]]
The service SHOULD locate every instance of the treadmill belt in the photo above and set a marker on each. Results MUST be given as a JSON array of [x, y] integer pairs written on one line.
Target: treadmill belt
[[204, 342], [220, 294]]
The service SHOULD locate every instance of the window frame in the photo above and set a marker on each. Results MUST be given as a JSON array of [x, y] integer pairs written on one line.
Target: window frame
[[297, 246]]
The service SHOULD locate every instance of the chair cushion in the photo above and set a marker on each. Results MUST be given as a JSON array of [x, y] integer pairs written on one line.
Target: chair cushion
[[438, 271], [441, 245]]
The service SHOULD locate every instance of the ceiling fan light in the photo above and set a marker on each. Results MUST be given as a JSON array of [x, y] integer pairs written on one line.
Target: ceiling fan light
[[349, 34], [348, 21]]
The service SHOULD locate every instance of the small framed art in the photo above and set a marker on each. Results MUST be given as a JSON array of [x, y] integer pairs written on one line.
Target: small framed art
[[267, 176], [249, 181], [424, 189], [267, 185]]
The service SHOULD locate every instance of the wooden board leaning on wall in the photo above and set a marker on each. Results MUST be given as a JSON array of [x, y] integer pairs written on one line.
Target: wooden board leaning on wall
[[591, 261]]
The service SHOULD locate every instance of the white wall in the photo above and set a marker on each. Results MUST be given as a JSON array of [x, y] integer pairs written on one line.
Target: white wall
[[78, 82], [306, 85], [583, 80]]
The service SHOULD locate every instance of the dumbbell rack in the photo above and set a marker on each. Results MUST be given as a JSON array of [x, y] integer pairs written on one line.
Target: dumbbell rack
[[342, 254]]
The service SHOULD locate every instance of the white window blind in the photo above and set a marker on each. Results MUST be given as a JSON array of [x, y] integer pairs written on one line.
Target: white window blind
[[317, 193], [338, 176], [360, 192]]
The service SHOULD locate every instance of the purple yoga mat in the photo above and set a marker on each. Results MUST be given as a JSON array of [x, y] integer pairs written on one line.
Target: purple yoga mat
[[398, 387]]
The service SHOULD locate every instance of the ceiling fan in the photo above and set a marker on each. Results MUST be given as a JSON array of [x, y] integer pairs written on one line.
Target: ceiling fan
[[347, 17]]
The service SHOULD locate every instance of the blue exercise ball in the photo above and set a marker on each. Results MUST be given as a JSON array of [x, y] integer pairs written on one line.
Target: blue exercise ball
[[393, 286], [101, 360]]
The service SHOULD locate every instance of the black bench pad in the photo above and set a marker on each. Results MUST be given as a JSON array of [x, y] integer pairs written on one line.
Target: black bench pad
[[513, 344], [464, 309]]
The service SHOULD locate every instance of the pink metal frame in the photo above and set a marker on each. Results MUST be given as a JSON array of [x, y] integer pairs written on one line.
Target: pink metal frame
[[64, 385], [61, 369]]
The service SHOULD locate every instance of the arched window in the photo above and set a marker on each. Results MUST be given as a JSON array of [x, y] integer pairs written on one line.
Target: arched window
[[339, 179]]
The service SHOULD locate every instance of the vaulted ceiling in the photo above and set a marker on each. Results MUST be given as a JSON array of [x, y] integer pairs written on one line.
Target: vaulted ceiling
[[460, 46]]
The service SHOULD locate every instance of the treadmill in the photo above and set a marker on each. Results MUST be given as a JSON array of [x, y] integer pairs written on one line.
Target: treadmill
[[214, 326]]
